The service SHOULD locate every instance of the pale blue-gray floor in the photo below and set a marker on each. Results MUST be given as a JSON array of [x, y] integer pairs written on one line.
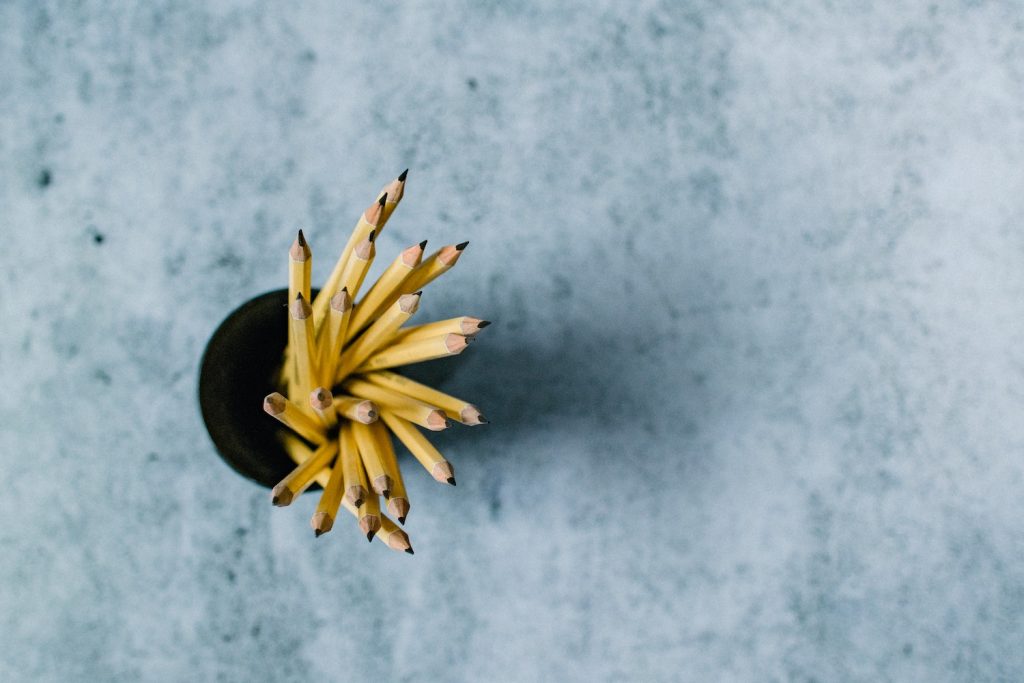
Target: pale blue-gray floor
[[756, 375]]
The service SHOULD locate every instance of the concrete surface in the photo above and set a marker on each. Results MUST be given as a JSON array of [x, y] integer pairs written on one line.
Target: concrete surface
[[755, 374]]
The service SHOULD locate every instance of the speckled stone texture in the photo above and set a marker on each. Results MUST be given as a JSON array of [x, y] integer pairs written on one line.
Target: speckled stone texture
[[756, 373]]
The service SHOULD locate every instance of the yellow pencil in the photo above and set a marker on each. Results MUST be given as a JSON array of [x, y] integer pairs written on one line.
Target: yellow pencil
[[300, 264], [291, 415], [455, 408], [411, 409], [464, 325], [348, 456], [367, 512], [302, 476], [369, 453], [327, 508], [398, 501], [377, 333], [408, 353], [368, 221], [395, 537], [322, 402], [358, 409], [392, 193], [433, 267], [359, 262], [338, 317], [424, 451], [385, 289], [305, 355]]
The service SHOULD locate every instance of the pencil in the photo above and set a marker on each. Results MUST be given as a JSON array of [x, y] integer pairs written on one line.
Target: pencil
[[385, 289], [414, 440], [359, 262], [395, 537], [368, 511], [464, 325], [455, 408], [322, 402], [348, 456], [398, 501], [377, 333], [338, 316], [369, 453], [408, 353], [358, 409], [302, 476], [302, 329], [392, 193], [300, 263], [368, 221], [411, 409], [327, 508], [433, 267], [291, 415]]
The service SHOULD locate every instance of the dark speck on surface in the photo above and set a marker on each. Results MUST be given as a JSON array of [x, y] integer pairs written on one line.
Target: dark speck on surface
[[471, 83], [45, 178]]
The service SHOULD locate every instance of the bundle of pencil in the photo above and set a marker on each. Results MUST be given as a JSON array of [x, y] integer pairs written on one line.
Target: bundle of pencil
[[339, 397]]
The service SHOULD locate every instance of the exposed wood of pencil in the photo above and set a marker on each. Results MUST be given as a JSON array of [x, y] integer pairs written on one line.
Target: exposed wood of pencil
[[327, 508], [357, 409], [434, 266], [464, 325], [431, 459], [305, 357], [398, 501], [423, 414], [415, 352], [368, 221], [395, 537], [291, 415], [338, 316], [385, 290], [376, 334], [302, 476], [322, 402], [368, 512], [455, 408], [359, 262], [393, 193], [369, 453], [348, 456]]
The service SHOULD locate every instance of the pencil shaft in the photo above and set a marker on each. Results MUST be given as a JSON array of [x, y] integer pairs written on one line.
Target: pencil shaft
[[411, 409], [384, 290], [369, 453], [421, 449], [376, 334], [290, 414], [455, 408], [463, 325], [408, 353]]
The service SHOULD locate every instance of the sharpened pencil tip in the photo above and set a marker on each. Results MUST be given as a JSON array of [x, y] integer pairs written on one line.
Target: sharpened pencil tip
[[401, 177], [373, 234], [463, 245], [275, 500], [401, 520], [409, 550], [451, 480], [301, 238], [369, 536], [317, 533], [383, 198], [482, 419], [423, 244]]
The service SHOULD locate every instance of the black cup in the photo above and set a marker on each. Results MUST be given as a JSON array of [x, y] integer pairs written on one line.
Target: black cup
[[237, 371]]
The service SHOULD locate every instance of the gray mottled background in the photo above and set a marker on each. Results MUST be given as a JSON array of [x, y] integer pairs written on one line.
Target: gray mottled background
[[756, 377]]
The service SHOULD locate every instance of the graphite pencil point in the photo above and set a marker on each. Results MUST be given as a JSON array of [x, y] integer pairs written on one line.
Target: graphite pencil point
[[451, 480], [461, 246], [404, 173], [423, 244], [409, 550]]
